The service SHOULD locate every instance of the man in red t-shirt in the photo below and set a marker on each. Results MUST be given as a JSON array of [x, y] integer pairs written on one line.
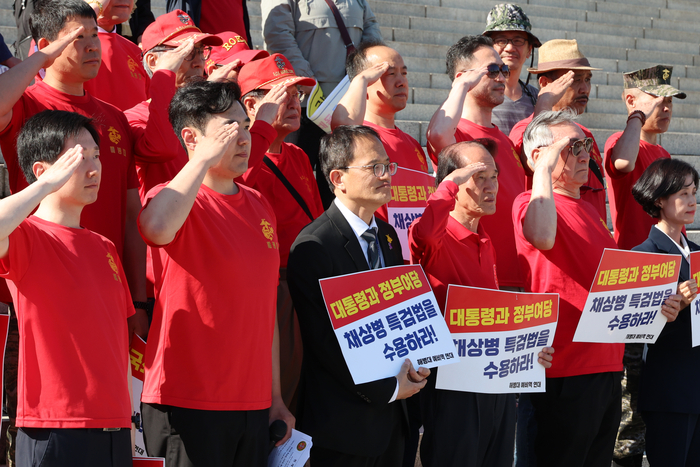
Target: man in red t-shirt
[[121, 81], [463, 428], [176, 51], [560, 240], [648, 96], [212, 360], [566, 84], [478, 77], [649, 100], [74, 379], [70, 52], [378, 90], [286, 179]]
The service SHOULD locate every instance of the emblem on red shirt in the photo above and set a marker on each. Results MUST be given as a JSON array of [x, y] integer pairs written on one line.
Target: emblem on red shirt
[[131, 64], [114, 135], [113, 265], [267, 229]]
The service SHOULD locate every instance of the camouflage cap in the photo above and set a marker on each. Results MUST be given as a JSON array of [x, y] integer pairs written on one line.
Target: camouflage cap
[[509, 17], [655, 81]]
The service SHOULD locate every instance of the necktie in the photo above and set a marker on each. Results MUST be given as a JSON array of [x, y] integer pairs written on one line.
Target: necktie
[[370, 236]]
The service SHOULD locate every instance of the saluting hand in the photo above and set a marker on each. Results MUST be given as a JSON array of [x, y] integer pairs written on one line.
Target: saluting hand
[[470, 77], [548, 156], [553, 92], [63, 169], [172, 59], [210, 149], [54, 50], [463, 175], [270, 104]]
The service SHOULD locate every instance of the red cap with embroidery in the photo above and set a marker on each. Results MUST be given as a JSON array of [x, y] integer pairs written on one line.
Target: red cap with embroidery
[[234, 47], [173, 29], [267, 72]]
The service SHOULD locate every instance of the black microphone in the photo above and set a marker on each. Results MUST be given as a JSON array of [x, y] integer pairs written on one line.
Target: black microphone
[[278, 429]]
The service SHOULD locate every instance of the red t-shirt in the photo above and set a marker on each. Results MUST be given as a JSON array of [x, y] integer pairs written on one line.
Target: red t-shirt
[[631, 224], [210, 343], [221, 16], [158, 153], [401, 148], [291, 218], [107, 215], [449, 252], [72, 301], [569, 269], [121, 81], [593, 192], [511, 182]]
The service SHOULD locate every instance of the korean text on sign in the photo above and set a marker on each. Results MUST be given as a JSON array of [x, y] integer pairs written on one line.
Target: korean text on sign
[[383, 316], [497, 336], [626, 295]]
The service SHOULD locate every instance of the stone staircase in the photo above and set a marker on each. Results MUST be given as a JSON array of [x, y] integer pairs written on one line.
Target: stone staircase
[[617, 36]]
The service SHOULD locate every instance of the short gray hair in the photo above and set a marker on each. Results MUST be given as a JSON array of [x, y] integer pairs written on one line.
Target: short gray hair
[[158, 51], [538, 133]]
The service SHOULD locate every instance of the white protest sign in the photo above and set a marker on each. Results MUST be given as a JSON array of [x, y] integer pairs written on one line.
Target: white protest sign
[[498, 335], [626, 296], [136, 353], [383, 316]]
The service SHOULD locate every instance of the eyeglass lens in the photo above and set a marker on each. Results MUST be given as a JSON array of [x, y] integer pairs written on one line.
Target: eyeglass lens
[[493, 70]]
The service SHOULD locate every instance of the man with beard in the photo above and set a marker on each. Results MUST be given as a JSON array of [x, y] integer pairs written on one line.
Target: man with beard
[[509, 28], [286, 179], [478, 83], [564, 75]]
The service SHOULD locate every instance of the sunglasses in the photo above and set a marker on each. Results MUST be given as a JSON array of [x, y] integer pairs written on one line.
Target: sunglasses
[[493, 70], [576, 147]]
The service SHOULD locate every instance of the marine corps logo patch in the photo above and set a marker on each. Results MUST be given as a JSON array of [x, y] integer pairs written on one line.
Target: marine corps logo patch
[[113, 265], [280, 63], [114, 135], [267, 229], [184, 19]]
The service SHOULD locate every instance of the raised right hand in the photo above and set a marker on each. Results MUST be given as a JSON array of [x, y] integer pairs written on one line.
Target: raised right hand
[[63, 169], [469, 78], [549, 155], [463, 175], [172, 59], [270, 104], [553, 92], [373, 73], [54, 50], [211, 148]]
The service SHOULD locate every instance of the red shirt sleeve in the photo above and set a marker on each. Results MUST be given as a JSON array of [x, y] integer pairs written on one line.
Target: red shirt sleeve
[[609, 166], [154, 138], [431, 227], [262, 135]]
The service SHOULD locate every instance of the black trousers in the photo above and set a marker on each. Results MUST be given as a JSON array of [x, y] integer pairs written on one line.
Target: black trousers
[[465, 429], [577, 420], [206, 438], [392, 457], [73, 447], [672, 439]]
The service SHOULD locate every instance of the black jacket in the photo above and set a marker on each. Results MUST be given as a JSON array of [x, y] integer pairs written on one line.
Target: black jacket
[[194, 9], [337, 413], [671, 372]]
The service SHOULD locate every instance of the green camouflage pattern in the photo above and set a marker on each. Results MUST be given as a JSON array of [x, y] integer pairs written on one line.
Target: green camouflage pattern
[[630, 435], [510, 17], [655, 81]]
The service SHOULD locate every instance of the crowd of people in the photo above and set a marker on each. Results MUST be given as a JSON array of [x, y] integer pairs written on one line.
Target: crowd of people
[[175, 190]]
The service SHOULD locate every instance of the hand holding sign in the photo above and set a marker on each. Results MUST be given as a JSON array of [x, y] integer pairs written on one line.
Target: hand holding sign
[[689, 290], [545, 357], [410, 380]]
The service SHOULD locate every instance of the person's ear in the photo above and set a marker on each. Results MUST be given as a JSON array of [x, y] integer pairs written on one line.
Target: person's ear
[[249, 104], [43, 42], [39, 167], [629, 99], [336, 176], [543, 81], [189, 136], [151, 60]]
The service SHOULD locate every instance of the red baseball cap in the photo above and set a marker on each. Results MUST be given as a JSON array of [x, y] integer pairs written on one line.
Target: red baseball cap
[[234, 47], [173, 29], [267, 72]]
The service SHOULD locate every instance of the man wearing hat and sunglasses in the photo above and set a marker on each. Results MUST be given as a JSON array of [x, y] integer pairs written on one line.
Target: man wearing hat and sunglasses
[[509, 28], [564, 75], [648, 96], [478, 83]]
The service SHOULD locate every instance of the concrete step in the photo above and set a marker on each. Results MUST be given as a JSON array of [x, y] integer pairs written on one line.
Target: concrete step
[[9, 33], [617, 122], [7, 18]]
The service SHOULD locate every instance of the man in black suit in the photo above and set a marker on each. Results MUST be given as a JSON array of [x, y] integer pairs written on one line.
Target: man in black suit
[[351, 425]]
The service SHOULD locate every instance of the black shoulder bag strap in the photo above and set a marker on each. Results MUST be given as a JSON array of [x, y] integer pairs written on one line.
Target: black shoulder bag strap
[[528, 93], [349, 46], [292, 191], [593, 165]]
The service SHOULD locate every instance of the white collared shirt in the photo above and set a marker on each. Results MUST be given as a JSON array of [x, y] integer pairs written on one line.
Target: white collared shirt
[[359, 227]]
